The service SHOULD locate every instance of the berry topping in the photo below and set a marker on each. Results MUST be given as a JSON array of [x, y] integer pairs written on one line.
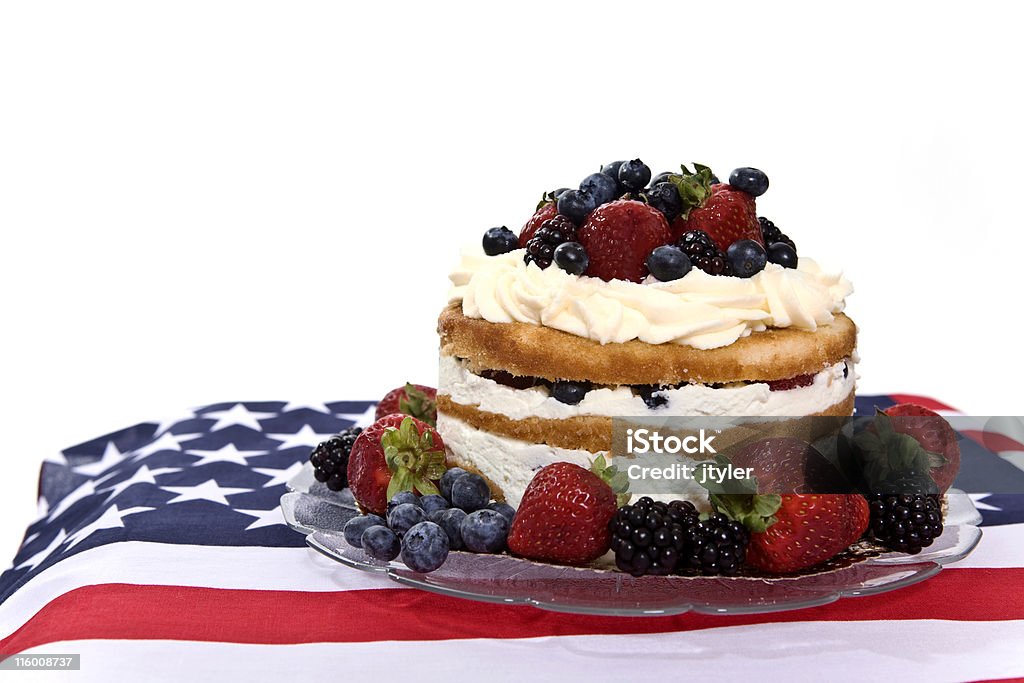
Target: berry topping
[[499, 241], [668, 263], [485, 531], [381, 543], [905, 522], [568, 392], [417, 400], [564, 515], [354, 528], [604, 188], [403, 517], [746, 257], [509, 380], [652, 396], [772, 234], [791, 382], [782, 254], [634, 175], [424, 547], [725, 213], [546, 210], [450, 521], [612, 169], [704, 253], [619, 236], [576, 205], [397, 453], [571, 257], [330, 459], [753, 181], [665, 198], [541, 247], [470, 492]]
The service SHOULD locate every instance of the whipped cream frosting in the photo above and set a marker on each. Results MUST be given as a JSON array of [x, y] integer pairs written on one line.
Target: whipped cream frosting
[[698, 310], [830, 386]]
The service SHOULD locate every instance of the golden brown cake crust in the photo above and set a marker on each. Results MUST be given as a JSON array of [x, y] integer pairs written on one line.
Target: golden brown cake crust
[[585, 432], [529, 350]]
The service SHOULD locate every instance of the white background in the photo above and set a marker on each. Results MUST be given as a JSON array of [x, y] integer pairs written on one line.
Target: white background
[[208, 201]]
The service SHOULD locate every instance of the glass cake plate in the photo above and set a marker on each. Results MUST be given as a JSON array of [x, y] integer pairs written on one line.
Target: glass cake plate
[[310, 508]]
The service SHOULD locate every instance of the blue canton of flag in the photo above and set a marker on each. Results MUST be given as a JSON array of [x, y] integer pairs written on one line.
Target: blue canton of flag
[[213, 478]]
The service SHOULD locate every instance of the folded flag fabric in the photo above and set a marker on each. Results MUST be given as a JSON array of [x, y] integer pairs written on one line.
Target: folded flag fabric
[[160, 552]]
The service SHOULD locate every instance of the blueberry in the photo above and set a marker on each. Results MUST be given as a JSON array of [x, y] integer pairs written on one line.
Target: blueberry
[[470, 492], [571, 257], [503, 509], [604, 187], [662, 177], [403, 517], [652, 396], [751, 180], [403, 497], [424, 547], [355, 527], [569, 392], [451, 521], [485, 531], [634, 175], [559, 192], [668, 263], [612, 169], [432, 503], [576, 205], [381, 543], [747, 257], [447, 479], [500, 241], [665, 198], [782, 254]]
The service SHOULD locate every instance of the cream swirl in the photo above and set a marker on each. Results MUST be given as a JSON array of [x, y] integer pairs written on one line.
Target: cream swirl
[[699, 310]]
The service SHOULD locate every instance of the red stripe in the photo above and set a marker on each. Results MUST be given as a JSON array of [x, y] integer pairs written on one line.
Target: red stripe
[[124, 611], [925, 401], [994, 441]]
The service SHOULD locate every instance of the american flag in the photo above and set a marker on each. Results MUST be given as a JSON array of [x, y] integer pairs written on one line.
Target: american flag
[[160, 553]]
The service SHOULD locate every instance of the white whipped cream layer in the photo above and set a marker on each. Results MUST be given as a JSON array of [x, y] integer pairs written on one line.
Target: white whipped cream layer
[[511, 463], [698, 310], [829, 387]]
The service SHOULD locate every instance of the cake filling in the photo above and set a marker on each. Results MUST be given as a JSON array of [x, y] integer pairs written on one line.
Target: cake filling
[[522, 397]]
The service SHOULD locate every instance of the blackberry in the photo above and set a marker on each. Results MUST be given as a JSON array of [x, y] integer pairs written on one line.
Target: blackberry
[[650, 537], [652, 396], [540, 249], [716, 545], [772, 234], [330, 458], [905, 522], [704, 253]]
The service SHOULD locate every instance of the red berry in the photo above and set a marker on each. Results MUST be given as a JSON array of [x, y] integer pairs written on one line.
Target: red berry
[[727, 215], [619, 236], [417, 400], [545, 211], [934, 433], [791, 382]]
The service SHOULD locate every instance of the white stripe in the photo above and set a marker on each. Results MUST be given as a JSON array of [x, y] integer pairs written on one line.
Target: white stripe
[[932, 650], [164, 564]]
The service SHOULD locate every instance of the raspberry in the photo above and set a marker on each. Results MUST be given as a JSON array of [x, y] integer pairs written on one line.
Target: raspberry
[[619, 236]]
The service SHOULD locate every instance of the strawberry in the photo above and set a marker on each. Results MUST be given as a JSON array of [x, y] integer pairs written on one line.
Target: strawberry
[[935, 435], [564, 514], [791, 383], [545, 210], [806, 530], [397, 453], [416, 400], [721, 210], [618, 238], [788, 465]]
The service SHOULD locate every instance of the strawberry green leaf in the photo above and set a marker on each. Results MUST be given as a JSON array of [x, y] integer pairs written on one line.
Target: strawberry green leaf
[[418, 404]]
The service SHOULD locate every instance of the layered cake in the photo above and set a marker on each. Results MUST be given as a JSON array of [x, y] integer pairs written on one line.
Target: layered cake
[[633, 296]]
